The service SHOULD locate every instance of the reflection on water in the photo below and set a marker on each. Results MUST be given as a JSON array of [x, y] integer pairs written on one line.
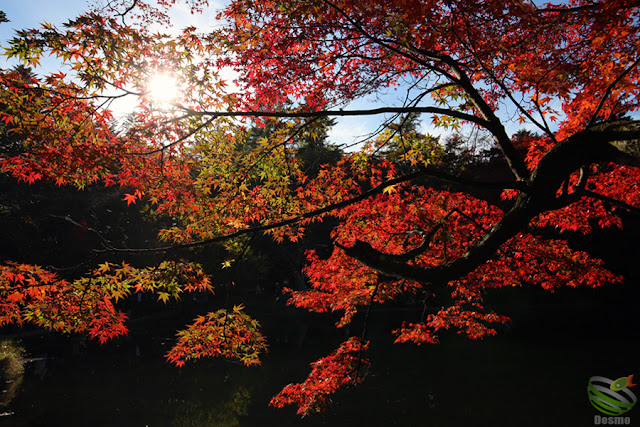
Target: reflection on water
[[535, 374], [9, 389], [223, 413], [11, 372]]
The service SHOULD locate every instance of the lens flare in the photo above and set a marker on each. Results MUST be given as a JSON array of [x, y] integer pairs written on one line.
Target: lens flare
[[163, 88]]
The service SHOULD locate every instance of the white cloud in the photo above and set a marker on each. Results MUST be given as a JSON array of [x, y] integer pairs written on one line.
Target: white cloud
[[350, 130]]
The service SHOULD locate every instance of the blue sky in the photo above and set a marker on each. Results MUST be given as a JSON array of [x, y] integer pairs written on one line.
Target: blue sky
[[31, 13]]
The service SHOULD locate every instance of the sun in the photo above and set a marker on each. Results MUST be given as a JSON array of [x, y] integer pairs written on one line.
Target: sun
[[162, 88]]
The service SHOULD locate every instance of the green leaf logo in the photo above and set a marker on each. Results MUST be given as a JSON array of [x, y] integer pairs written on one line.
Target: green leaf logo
[[611, 397]]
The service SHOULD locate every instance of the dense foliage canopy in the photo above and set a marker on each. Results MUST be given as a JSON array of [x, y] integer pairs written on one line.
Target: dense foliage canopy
[[228, 162]]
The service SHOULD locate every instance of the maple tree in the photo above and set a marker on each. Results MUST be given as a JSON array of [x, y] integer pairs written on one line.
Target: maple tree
[[569, 71]]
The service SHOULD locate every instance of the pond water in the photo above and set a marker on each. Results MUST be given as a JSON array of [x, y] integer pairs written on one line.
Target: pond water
[[534, 373]]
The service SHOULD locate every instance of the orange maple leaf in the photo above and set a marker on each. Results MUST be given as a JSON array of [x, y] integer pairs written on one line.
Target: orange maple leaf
[[130, 198]]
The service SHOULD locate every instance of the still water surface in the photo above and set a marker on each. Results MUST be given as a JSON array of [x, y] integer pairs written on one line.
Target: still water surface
[[535, 373]]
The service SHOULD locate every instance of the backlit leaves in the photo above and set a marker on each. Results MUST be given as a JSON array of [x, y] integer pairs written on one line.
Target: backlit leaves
[[560, 69], [230, 334], [338, 370], [29, 293]]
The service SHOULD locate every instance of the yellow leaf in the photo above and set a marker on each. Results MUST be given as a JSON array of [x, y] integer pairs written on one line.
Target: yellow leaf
[[163, 296], [390, 189]]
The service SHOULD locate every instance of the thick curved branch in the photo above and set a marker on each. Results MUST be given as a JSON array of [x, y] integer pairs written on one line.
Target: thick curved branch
[[427, 237], [617, 142], [480, 252]]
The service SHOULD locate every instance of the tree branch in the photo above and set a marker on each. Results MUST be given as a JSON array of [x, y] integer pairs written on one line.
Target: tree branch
[[516, 164], [607, 92], [338, 113], [612, 201], [484, 249], [261, 228], [608, 142], [177, 141]]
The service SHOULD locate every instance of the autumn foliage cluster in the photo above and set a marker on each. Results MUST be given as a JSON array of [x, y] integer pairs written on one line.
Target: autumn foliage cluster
[[225, 161]]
